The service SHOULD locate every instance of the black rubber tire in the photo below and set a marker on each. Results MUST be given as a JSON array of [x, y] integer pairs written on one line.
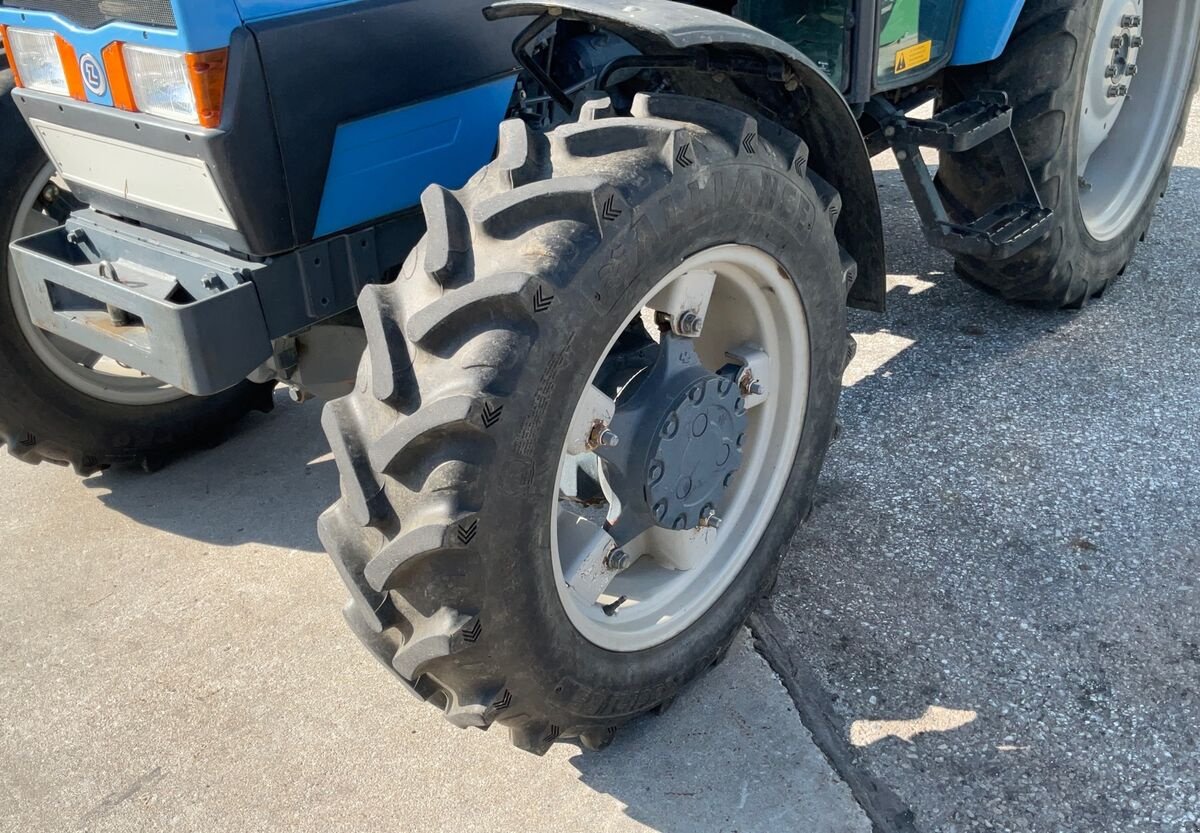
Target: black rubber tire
[[44, 419], [449, 447], [1043, 71]]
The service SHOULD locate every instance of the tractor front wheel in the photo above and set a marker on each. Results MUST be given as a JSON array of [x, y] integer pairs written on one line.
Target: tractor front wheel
[[593, 410]]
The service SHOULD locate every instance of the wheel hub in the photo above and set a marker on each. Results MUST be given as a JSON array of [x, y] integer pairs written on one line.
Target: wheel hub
[[1111, 71], [695, 454], [681, 430]]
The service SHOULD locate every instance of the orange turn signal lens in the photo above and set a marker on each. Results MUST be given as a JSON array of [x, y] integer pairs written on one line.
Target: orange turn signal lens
[[70, 63], [8, 50], [118, 77], [207, 71]]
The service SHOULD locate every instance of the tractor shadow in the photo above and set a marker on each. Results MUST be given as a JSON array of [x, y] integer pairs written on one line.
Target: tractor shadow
[[265, 484]]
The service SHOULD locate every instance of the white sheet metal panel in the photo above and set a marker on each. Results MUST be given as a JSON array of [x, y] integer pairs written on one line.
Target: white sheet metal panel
[[150, 177]]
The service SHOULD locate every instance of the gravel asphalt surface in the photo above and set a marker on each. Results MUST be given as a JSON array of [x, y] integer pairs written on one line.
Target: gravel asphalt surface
[[1000, 589], [992, 621]]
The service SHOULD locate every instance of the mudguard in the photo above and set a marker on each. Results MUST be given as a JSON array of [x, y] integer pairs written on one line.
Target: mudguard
[[815, 108]]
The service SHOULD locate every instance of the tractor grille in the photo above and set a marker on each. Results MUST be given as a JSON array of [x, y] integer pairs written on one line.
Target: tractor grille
[[93, 13]]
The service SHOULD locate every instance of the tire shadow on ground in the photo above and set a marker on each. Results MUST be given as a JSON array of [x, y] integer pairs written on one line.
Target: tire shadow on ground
[[266, 484]]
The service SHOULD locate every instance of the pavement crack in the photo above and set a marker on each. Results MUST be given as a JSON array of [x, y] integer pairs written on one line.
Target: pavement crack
[[886, 811], [115, 799]]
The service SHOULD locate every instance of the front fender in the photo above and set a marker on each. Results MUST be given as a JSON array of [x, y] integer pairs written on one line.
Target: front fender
[[815, 108]]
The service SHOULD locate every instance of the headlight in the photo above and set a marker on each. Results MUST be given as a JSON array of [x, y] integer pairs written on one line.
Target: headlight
[[186, 87], [43, 61]]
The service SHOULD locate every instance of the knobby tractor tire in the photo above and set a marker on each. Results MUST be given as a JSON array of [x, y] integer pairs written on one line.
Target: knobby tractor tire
[[449, 447], [1043, 71], [42, 418]]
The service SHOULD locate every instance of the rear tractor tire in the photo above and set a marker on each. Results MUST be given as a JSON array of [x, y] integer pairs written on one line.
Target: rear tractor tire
[[1101, 91], [592, 411]]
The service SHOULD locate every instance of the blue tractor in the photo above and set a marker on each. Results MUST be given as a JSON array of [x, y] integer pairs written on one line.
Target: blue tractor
[[571, 274]]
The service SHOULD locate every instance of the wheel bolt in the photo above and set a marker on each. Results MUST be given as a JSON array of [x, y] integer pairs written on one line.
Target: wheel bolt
[[617, 560], [690, 325], [602, 435], [749, 386]]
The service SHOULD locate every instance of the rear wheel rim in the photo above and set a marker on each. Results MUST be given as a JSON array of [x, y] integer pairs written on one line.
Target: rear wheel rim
[[84, 371], [676, 576], [1128, 122]]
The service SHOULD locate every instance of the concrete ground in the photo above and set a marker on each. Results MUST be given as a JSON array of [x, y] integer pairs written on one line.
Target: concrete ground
[[172, 656], [1000, 588], [991, 622]]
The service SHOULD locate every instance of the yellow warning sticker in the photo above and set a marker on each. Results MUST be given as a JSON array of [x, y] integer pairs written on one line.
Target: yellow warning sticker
[[914, 56]]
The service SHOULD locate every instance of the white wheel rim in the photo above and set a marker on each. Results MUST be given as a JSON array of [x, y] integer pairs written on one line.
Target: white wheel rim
[[96, 376], [1124, 138], [753, 302]]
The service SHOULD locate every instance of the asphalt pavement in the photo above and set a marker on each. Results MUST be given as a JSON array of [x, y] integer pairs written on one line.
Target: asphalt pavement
[[992, 621], [997, 601]]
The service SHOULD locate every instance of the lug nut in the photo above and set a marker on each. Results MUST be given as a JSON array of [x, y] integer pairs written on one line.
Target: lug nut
[[690, 325], [1137, 41], [1131, 21], [617, 560], [1131, 70], [602, 435]]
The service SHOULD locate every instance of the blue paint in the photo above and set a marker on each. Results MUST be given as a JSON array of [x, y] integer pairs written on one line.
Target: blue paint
[[201, 26], [984, 30], [382, 163], [260, 9]]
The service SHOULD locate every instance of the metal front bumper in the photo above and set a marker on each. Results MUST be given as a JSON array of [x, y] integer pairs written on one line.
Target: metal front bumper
[[186, 315], [189, 315]]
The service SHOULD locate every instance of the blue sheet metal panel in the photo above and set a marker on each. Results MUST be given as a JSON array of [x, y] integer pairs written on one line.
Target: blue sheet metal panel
[[202, 25], [262, 9], [984, 30], [382, 163]]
